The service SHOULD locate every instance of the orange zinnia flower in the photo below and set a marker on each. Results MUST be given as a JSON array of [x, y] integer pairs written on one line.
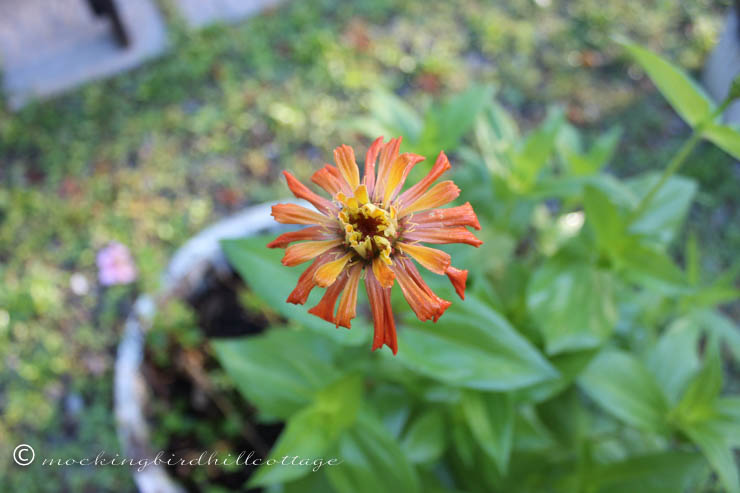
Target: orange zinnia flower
[[370, 226]]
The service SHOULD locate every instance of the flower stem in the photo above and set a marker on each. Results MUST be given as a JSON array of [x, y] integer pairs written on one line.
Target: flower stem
[[678, 159]]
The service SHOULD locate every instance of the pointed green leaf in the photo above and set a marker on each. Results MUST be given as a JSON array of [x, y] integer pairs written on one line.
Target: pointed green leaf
[[660, 472], [726, 137], [472, 346], [667, 209], [424, 441], [372, 461], [491, 417], [713, 444], [279, 371], [623, 386], [573, 304], [674, 360], [605, 219], [685, 95]]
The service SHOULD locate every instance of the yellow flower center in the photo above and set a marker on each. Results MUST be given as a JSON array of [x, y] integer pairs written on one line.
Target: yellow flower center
[[369, 229]]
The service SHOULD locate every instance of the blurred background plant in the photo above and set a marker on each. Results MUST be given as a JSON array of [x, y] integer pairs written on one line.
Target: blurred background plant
[[148, 158]]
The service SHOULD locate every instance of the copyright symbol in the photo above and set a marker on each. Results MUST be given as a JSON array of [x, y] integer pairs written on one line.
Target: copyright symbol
[[23, 454]]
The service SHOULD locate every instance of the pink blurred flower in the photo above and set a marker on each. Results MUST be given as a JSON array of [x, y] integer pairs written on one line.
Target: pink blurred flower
[[115, 265]]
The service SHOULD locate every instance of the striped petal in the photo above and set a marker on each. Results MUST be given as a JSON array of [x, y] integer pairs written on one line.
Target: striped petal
[[441, 194], [370, 158], [347, 305], [388, 155], [328, 273], [441, 165], [325, 308], [382, 272], [344, 156], [422, 300], [296, 214], [310, 233], [303, 252], [457, 234], [303, 192], [435, 260], [458, 278], [306, 283], [399, 170], [330, 180], [380, 305], [462, 215]]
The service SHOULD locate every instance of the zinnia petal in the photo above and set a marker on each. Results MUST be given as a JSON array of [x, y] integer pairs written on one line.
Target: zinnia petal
[[330, 180], [382, 272], [462, 215], [344, 156], [328, 273], [441, 194], [380, 305], [388, 155], [310, 233], [441, 165], [306, 282], [458, 278], [457, 234], [348, 303], [422, 300], [303, 252], [297, 214], [303, 192], [370, 158], [435, 260], [399, 170], [325, 308]]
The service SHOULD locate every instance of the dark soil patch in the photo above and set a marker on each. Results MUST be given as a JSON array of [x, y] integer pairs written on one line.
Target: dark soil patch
[[192, 414]]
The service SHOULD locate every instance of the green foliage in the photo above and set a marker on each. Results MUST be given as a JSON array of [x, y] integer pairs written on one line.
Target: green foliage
[[442, 126], [583, 359]]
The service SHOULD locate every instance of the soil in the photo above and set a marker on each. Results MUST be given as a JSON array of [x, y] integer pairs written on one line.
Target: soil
[[183, 386]]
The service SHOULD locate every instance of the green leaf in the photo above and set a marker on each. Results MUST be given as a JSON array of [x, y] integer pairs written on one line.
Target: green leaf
[[308, 434], [585, 164], [726, 137], [713, 444], [698, 402], [728, 412], [312, 431], [535, 152], [279, 371], [651, 267], [620, 384], [446, 124], [424, 441], [660, 472], [686, 96], [491, 417], [372, 461], [674, 360], [720, 325], [395, 115], [605, 219], [260, 266], [573, 304], [472, 346], [665, 212], [496, 133]]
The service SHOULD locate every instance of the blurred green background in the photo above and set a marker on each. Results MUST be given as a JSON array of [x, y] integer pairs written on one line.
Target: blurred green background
[[152, 156]]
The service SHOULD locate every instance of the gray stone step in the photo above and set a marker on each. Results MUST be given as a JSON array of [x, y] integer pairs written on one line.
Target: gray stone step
[[48, 47]]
